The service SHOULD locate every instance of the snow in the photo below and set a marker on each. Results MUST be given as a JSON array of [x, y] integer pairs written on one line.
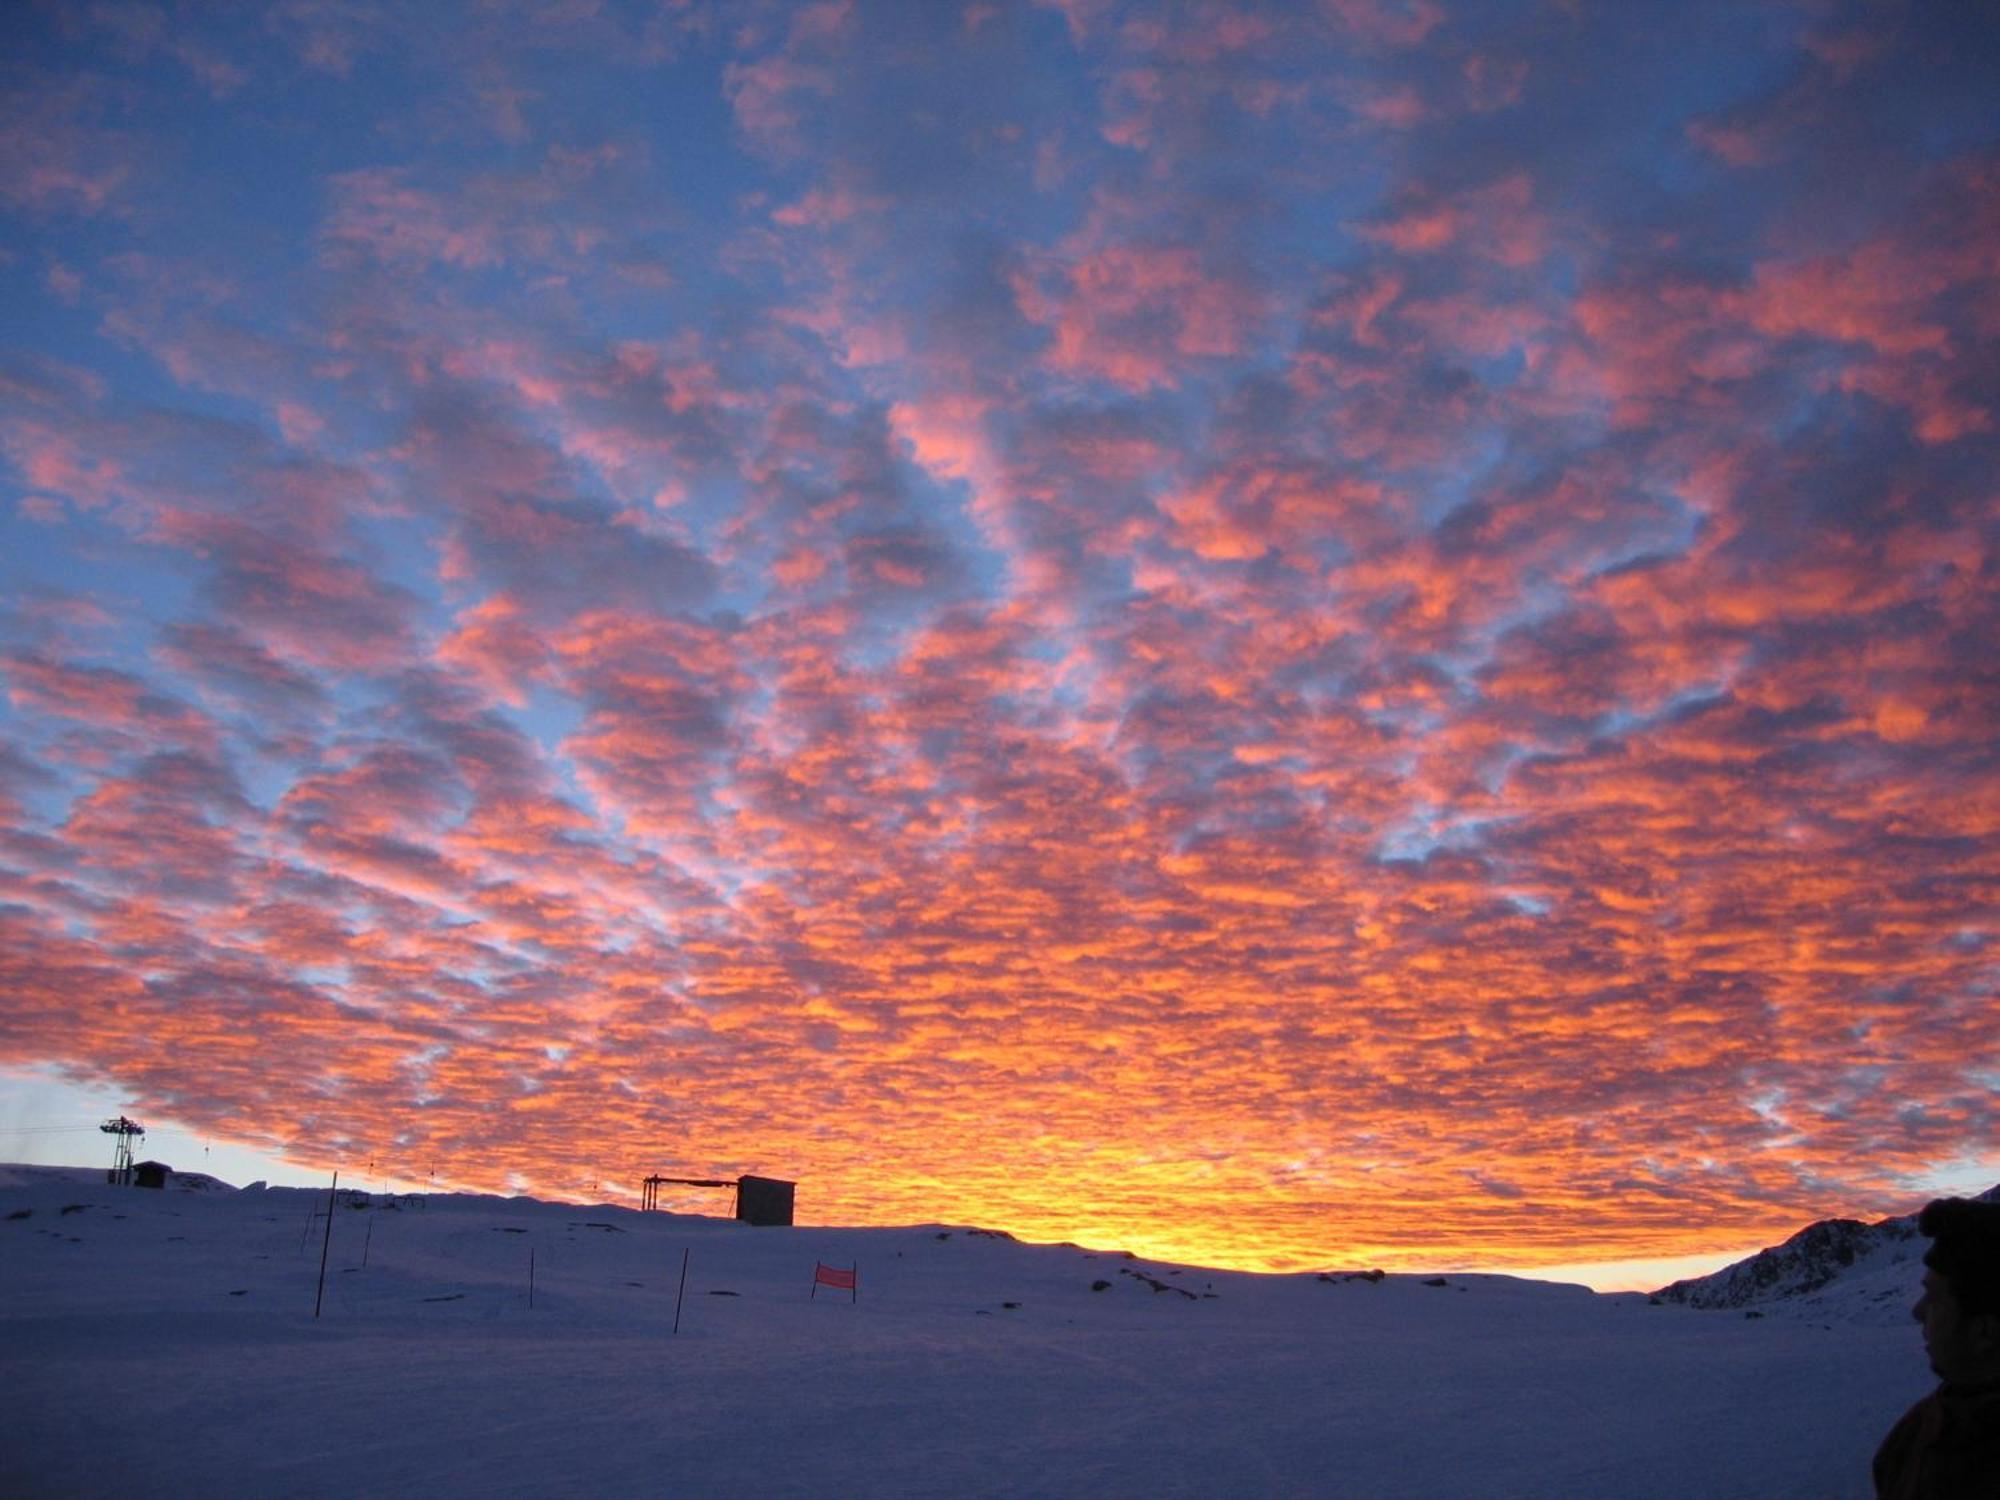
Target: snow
[[163, 1343]]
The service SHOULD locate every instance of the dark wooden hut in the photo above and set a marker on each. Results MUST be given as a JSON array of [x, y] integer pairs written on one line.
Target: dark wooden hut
[[764, 1200]]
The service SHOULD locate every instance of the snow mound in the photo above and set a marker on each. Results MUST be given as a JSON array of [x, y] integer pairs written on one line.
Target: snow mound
[[198, 1182], [22, 1175]]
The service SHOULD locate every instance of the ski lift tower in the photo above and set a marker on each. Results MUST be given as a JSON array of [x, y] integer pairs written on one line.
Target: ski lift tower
[[123, 1131]]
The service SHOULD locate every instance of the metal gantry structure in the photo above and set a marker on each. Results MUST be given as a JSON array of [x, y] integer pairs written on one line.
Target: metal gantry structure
[[759, 1200], [649, 1197], [123, 1133]]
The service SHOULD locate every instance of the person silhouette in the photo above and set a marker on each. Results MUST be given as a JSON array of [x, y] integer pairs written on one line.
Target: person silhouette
[[1947, 1446]]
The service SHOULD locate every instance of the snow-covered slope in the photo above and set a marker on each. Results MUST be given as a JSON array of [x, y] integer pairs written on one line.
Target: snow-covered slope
[[163, 1343], [20, 1175], [1837, 1269]]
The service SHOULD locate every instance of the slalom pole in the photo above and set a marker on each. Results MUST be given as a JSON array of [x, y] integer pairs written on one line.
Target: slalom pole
[[531, 1275], [684, 1287], [367, 1240], [326, 1244]]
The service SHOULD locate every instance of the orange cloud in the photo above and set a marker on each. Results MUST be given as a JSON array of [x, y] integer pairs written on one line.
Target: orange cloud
[[1264, 634]]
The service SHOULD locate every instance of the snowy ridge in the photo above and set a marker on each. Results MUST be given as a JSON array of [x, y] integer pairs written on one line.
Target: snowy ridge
[[1836, 1269], [18, 1175]]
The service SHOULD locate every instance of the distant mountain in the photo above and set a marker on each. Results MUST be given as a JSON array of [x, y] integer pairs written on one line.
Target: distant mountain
[[1841, 1268]]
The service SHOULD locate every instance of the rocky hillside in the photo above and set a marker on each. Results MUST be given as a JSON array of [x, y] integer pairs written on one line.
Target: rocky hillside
[[1836, 1265]]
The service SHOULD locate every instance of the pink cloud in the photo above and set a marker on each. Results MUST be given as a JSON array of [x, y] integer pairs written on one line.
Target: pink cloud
[[1239, 514], [825, 207], [1493, 82], [772, 93], [64, 283], [499, 648], [1736, 145], [1390, 106], [947, 435], [316, 606], [330, 34], [1137, 315], [56, 156], [138, 29], [1497, 222], [105, 698], [557, 215], [1387, 23], [377, 210]]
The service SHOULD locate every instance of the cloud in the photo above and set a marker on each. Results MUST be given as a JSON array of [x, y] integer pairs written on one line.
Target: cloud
[[1388, 23], [553, 213], [242, 670], [103, 697], [56, 154], [518, 524], [1068, 616], [1133, 314], [137, 30]]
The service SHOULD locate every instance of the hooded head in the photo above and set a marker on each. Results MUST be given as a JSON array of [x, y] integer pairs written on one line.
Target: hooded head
[[1960, 1307]]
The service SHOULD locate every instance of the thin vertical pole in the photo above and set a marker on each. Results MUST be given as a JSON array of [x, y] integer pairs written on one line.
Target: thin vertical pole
[[531, 1275], [325, 1244], [368, 1239], [683, 1291]]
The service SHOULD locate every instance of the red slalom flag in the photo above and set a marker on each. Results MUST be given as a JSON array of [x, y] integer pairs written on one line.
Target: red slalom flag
[[840, 1279]]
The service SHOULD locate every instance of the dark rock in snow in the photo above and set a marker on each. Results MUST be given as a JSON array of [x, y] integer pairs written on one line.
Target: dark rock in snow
[[1155, 1283]]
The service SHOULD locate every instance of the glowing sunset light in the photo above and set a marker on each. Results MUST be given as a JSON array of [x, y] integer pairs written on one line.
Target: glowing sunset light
[[1282, 635]]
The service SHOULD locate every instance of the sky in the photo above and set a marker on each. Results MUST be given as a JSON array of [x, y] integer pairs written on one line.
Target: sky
[[1285, 635]]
